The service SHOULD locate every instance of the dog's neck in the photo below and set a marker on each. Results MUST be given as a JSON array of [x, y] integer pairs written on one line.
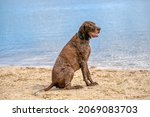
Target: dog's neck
[[83, 37]]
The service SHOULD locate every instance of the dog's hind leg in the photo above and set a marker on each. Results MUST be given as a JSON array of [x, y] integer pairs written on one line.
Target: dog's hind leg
[[69, 73], [68, 80]]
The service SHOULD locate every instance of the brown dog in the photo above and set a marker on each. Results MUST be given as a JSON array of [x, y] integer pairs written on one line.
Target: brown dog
[[73, 57]]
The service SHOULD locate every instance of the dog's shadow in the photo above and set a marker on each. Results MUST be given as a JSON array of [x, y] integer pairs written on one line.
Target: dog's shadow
[[40, 88]]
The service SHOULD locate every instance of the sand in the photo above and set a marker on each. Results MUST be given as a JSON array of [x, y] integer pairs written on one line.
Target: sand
[[17, 83]]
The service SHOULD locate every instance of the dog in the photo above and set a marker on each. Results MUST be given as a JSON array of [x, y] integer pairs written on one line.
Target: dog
[[74, 56]]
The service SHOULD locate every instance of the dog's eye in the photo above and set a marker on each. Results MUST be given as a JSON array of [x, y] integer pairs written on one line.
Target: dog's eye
[[92, 28]]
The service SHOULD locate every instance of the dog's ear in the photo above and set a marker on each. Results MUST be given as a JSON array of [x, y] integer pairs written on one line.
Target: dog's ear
[[82, 29], [83, 32]]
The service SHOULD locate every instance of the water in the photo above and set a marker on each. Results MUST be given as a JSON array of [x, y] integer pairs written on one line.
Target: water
[[33, 32]]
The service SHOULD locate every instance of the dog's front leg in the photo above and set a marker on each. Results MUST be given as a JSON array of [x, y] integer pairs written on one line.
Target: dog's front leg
[[89, 77], [84, 72], [92, 83]]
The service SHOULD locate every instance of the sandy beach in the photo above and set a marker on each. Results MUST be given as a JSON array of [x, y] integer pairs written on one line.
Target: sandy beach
[[21, 82]]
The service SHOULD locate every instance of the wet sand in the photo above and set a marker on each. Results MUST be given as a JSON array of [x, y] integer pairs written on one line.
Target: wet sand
[[21, 82]]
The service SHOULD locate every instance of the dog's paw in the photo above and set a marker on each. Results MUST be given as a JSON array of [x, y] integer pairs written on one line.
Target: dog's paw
[[93, 84]]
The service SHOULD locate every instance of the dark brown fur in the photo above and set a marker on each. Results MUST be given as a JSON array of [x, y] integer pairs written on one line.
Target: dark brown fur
[[74, 56]]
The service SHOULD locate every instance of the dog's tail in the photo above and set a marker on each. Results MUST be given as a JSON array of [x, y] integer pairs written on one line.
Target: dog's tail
[[49, 87], [45, 89]]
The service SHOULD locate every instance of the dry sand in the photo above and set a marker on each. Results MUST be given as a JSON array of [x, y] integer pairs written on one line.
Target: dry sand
[[21, 82]]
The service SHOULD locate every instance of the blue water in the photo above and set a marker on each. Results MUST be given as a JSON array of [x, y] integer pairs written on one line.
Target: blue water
[[33, 32]]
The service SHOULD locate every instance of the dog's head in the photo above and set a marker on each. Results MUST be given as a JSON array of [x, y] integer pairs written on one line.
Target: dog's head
[[89, 30]]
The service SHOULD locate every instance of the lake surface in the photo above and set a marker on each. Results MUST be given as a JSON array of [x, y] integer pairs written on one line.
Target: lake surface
[[33, 32]]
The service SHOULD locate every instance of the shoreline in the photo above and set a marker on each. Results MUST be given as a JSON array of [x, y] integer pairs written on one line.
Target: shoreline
[[90, 67], [18, 82]]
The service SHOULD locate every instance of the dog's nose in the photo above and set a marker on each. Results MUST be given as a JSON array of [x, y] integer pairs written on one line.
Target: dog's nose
[[98, 28]]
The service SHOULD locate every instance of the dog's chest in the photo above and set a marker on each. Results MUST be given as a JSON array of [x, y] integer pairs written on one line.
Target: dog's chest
[[85, 50]]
